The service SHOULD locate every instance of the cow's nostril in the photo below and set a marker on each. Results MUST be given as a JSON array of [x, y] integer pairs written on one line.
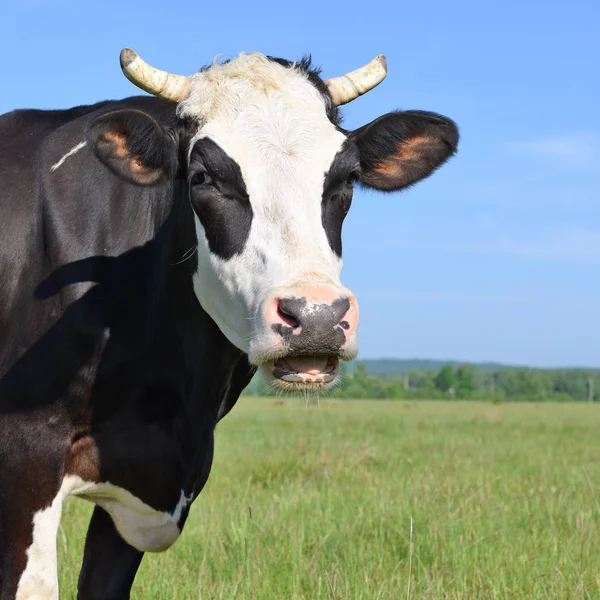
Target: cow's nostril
[[286, 317]]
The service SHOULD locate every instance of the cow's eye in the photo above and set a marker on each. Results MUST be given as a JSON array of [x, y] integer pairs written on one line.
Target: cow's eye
[[200, 178]]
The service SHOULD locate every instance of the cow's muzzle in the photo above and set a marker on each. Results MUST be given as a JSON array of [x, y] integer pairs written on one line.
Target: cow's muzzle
[[309, 331]]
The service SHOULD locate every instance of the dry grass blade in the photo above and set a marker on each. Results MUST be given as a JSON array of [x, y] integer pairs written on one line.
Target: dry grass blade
[[410, 555]]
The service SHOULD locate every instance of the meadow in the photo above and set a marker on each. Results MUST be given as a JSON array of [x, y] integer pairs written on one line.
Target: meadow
[[384, 500]]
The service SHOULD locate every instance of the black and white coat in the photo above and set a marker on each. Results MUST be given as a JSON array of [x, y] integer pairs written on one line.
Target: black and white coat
[[154, 256]]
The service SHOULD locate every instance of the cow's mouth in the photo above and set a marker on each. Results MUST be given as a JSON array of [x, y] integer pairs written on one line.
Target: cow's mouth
[[302, 372]]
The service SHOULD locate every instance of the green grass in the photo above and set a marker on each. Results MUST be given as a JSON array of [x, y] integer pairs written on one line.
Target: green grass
[[307, 502]]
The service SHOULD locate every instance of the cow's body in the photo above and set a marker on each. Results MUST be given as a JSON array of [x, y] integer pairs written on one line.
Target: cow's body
[[153, 255], [120, 372]]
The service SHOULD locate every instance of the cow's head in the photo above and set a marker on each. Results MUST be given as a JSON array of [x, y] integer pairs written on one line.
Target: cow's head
[[269, 173]]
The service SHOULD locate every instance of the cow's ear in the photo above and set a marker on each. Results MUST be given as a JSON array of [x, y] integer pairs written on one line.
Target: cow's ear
[[133, 145], [401, 148]]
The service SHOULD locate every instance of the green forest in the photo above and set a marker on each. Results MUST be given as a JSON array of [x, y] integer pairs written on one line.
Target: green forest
[[438, 380]]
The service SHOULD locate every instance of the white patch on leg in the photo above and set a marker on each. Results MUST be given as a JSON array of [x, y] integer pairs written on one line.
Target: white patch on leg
[[39, 580], [72, 151]]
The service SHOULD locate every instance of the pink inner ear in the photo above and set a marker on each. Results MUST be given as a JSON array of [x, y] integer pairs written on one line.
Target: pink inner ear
[[138, 171], [408, 163], [118, 144], [413, 148], [410, 150], [391, 168]]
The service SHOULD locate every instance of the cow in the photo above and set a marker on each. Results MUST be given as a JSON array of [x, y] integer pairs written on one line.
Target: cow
[[157, 251]]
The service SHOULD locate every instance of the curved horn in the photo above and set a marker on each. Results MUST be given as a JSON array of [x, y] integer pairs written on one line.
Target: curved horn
[[347, 87], [154, 81]]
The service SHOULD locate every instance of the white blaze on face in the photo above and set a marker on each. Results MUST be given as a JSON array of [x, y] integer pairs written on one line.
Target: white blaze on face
[[272, 121]]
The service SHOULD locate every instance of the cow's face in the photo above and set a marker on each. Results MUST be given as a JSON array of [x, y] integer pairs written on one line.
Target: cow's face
[[269, 175], [270, 181]]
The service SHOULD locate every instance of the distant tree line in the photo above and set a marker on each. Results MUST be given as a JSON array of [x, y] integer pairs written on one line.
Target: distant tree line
[[465, 382]]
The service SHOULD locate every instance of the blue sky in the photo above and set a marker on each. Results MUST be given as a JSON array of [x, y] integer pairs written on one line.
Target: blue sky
[[497, 256]]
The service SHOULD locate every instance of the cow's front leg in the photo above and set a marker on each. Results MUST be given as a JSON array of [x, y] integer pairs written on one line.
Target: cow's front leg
[[109, 563], [32, 490], [28, 566]]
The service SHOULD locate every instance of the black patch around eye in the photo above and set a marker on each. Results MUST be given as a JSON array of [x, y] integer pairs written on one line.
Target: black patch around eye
[[219, 197], [201, 178], [337, 194]]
